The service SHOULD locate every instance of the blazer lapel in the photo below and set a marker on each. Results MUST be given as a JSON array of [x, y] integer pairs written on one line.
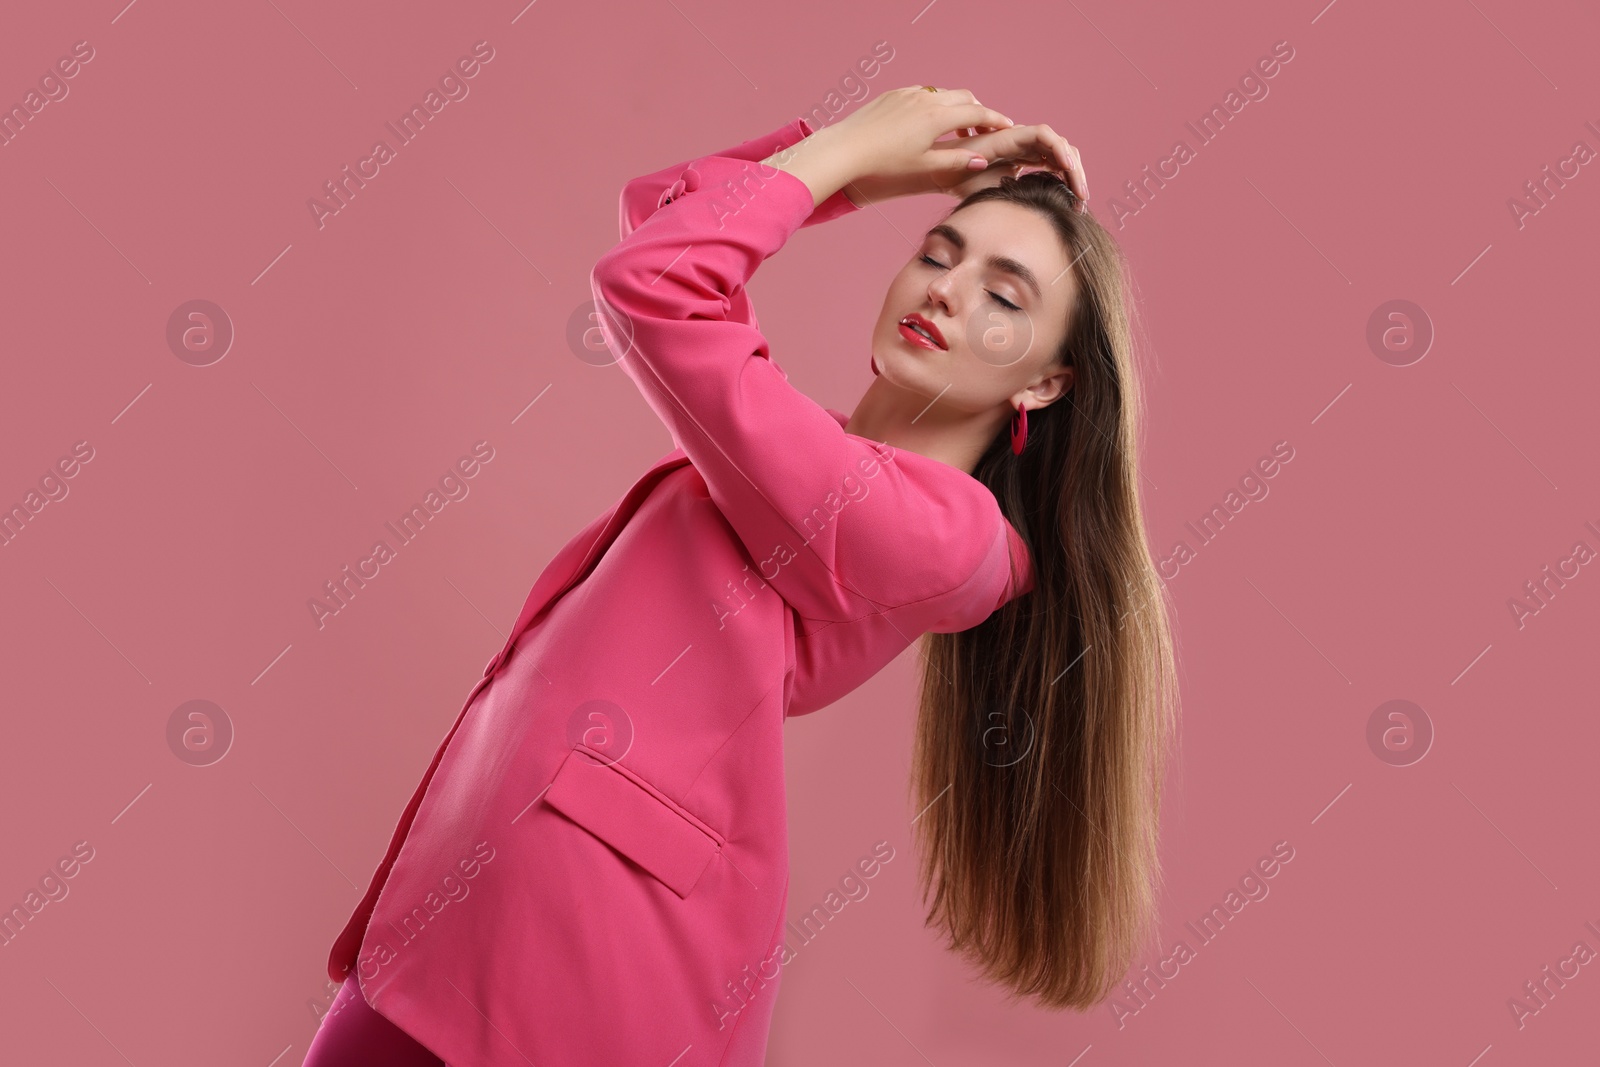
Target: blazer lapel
[[568, 566], [575, 558], [573, 561]]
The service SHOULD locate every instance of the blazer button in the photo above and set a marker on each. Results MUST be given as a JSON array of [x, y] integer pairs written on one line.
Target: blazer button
[[688, 183]]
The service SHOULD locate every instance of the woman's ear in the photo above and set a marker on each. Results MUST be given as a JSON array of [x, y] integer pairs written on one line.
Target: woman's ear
[[1054, 387]]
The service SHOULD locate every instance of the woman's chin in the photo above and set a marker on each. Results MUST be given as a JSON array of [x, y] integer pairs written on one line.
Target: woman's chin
[[910, 367]]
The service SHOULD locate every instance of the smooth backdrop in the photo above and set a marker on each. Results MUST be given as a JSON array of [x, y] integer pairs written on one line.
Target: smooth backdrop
[[373, 347]]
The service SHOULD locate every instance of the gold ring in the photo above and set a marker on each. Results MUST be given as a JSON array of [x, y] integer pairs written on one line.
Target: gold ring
[[930, 88]]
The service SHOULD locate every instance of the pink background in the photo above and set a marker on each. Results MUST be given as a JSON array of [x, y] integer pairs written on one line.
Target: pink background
[[427, 315]]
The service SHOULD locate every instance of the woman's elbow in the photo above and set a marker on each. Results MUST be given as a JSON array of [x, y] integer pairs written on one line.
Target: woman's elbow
[[609, 278]]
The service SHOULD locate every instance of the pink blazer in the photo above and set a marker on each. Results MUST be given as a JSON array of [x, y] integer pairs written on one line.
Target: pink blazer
[[581, 883]]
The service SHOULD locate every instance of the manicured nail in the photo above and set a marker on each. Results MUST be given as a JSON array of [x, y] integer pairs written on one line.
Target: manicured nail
[[977, 163]]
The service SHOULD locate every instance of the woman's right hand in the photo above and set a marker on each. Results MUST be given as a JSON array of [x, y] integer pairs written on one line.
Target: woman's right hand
[[892, 140], [886, 147], [892, 146], [895, 147]]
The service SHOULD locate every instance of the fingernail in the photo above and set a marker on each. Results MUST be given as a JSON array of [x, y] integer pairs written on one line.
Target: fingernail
[[977, 163]]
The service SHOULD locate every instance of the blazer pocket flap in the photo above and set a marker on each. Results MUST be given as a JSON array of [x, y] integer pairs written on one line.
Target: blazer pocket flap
[[634, 818]]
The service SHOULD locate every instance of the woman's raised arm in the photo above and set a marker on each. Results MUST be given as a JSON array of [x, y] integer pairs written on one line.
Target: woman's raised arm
[[840, 526], [644, 195]]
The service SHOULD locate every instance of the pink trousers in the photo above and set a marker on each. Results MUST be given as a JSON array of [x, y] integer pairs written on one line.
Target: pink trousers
[[353, 1035]]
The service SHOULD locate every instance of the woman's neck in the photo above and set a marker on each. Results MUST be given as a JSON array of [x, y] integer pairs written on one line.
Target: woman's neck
[[911, 422]]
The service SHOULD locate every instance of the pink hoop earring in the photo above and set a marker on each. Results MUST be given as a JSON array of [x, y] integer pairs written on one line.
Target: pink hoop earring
[[1019, 430]]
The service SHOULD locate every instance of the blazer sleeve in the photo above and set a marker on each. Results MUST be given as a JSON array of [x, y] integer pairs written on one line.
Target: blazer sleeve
[[644, 195], [1005, 573], [842, 527]]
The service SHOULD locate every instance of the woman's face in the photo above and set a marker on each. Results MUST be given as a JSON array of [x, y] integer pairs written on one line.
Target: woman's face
[[993, 282]]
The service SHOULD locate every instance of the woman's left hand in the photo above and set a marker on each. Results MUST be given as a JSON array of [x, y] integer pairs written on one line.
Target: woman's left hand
[[871, 189], [888, 126], [1013, 149]]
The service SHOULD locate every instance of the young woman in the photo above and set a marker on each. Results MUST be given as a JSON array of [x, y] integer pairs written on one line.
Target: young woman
[[594, 869]]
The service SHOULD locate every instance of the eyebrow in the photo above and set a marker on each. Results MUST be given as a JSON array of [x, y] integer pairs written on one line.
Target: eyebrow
[[1001, 263]]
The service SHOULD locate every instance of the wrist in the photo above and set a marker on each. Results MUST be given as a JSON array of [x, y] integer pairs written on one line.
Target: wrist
[[820, 161]]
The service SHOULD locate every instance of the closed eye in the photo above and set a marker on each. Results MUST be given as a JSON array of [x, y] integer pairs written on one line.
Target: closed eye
[[1002, 301]]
